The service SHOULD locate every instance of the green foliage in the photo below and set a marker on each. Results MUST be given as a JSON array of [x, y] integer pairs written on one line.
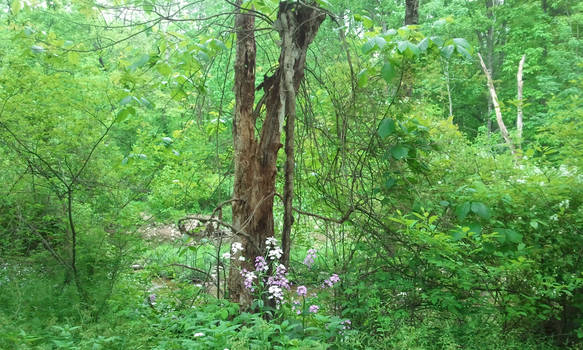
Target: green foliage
[[114, 123]]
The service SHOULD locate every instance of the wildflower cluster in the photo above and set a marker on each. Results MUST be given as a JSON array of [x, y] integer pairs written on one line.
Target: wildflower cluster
[[248, 277], [273, 249], [310, 257], [273, 285], [235, 249], [330, 282], [277, 283]]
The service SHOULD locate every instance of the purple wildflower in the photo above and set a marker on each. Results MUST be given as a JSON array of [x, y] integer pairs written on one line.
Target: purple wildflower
[[310, 257], [346, 324], [260, 264], [277, 283], [330, 282], [314, 308], [248, 278], [302, 291]]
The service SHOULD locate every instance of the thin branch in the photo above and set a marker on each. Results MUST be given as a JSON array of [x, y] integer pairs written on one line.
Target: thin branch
[[189, 267]]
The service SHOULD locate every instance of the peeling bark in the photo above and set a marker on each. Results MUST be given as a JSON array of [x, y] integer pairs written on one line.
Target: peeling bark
[[255, 159]]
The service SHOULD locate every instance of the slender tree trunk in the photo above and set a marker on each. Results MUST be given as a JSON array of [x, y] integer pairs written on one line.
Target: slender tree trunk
[[448, 85], [255, 159]]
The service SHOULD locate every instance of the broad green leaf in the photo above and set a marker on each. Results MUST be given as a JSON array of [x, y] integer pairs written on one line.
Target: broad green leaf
[[463, 210], [399, 151], [362, 78], [323, 3], [424, 44], [458, 235], [461, 42], [480, 209], [148, 6], [408, 49], [129, 99], [476, 228], [73, 57], [216, 45], [16, 6], [513, 236], [447, 51], [463, 52], [374, 43], [390, 183], [388, 71], [164, 68], [37, 49], [142, 60], [124, 114], [178, 94], [386, 128]]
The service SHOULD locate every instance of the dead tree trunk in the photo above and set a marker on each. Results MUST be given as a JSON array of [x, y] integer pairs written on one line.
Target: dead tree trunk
[[499, 120], [255, 158], [519, 85]]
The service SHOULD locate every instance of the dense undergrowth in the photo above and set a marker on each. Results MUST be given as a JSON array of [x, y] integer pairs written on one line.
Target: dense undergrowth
[[161, 308]]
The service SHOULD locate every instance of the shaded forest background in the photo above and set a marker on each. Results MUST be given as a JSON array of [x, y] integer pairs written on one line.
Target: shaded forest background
[[118, 159]]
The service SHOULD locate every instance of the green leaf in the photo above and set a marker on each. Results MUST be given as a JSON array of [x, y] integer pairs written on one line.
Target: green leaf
[[461, 42], [513, 236], [388, 71], [390, 183], [424, 44], [408, 49], [164, 68], [37, 49], [362, 78], [463, 52], [216, 44], [462, 210], [128, 99], [374, 43], [480, 209], [148, 6], [475, 228], [447, 51], [15, 6], [386, 128], [124, 114], [458, 235], [399, 151], [142, 60]]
